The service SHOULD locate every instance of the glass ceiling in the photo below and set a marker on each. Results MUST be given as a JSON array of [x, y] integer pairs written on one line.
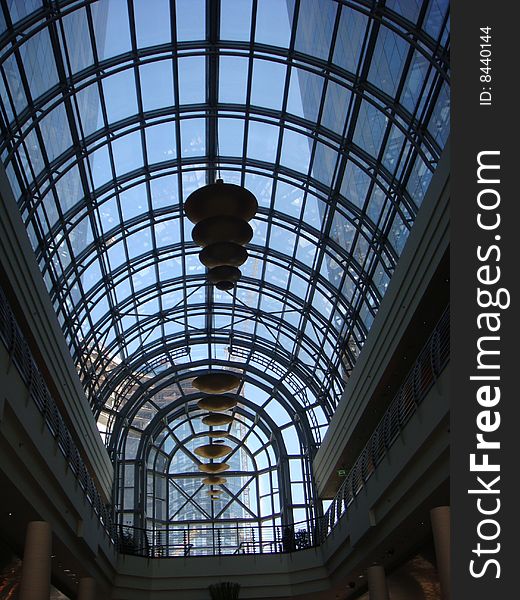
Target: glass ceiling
[[333, 113]]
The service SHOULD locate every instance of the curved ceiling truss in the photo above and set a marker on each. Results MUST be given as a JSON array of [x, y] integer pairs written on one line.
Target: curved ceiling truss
[[334, 113], [270, 388]]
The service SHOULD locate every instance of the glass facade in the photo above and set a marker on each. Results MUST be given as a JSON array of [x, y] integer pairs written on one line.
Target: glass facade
[[333, 114]]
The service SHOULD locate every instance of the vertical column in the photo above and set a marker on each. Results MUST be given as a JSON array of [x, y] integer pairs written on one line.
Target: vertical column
[[36, 566], [440, 519], [87, 589], [377, 588]]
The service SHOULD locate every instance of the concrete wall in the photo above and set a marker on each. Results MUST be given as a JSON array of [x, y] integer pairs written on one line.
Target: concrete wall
[[34, 310], [37, 484]]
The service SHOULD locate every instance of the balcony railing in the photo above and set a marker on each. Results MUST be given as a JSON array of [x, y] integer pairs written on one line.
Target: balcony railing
[[21, 357], [196, 539], [434, 356]]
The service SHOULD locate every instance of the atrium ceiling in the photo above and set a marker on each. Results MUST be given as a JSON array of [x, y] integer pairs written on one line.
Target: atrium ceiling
[[334, 113]]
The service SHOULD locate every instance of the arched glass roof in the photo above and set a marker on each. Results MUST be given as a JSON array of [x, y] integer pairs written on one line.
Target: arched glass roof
[[333, 113]]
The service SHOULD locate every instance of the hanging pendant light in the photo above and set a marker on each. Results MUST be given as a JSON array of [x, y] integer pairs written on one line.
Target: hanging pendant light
[[213, 450], [220, 212], [224, 278], [216, 382], [217, 403], [217, 419], [222, 229], [217, 433], [214, 480], [223, 254], [213, 467], [220, 199]]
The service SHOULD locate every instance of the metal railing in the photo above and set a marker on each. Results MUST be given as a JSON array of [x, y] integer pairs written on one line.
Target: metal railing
[[196, 539], [434, 356], [20, 355]]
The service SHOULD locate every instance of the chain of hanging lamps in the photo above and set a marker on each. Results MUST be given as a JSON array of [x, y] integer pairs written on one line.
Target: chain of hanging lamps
[[221, 213]]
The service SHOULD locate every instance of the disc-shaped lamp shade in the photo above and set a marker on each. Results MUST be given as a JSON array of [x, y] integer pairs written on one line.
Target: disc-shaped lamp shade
[[220, 199], [214, 480], [214, 492], [223, 254], [217, 403], [217, 433], [213, 450], [224, 286], [224, 278], [213, 467], [222, 229], [217, 419], [217, 382]]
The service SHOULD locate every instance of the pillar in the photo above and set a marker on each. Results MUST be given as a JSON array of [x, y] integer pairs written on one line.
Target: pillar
[[35, 583], [87, 589], [377, 588], [440, 519]]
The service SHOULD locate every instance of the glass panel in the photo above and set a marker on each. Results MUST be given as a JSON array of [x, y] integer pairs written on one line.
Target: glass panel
[[19, 10], [111, 27], [77, 36], [191, 20], [233, 79], [295, 151], [89, 107], [336, 106], [192, 88], [408, 8], [435, 16], [230, 137], [324, 163], [305, 94], [350, 39], [164, 191], [315, 26], [268, 84], [273, 23], [157, 84], [152, 27], [289, 200], [370, 128], [69, 189], [160, 143], [120, 96], [133, 202], [39, 63], [387, 63], [193, 139], [235, 19], [262, 141], [128, 154], [100, 166]]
